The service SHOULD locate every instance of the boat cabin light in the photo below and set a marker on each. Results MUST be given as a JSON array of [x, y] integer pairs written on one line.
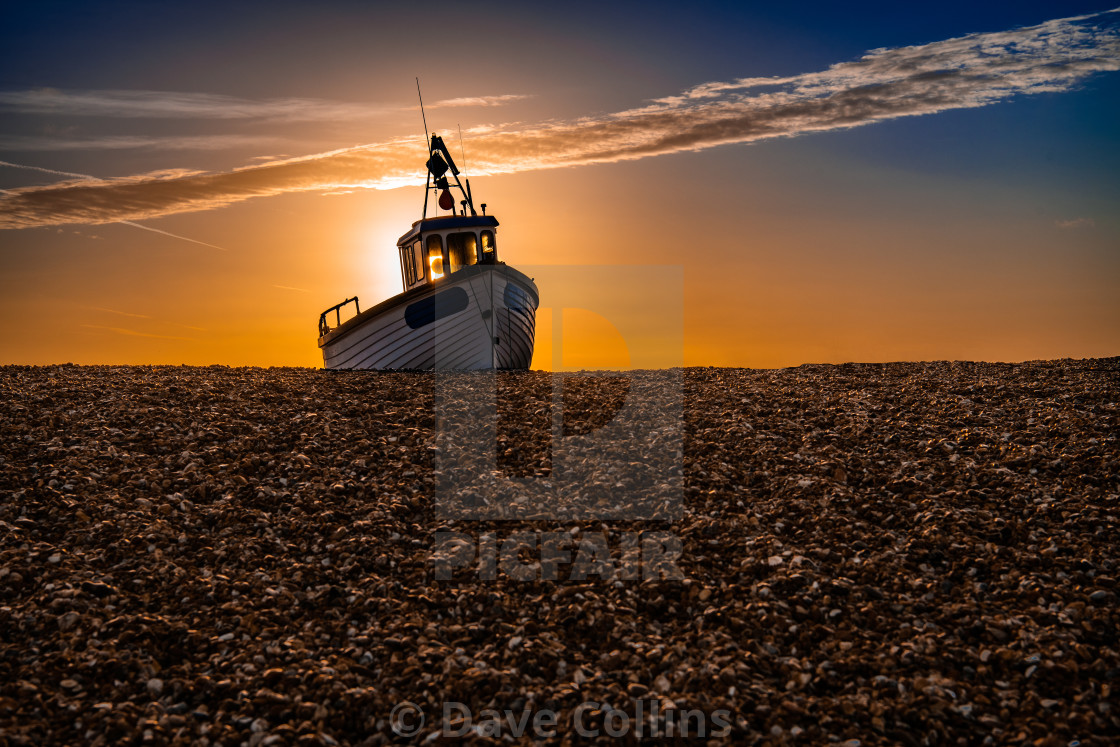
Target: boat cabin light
[[436, 248], [435, 256]]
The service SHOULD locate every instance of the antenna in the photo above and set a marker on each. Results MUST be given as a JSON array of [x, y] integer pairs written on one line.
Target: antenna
[[461, 148], [423, 117], [469, 200], [428, 175]]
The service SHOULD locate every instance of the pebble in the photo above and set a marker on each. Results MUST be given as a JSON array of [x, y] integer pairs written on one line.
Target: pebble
[[870, 552]]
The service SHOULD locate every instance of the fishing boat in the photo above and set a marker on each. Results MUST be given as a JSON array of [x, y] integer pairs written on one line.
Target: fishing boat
[[461, 307]]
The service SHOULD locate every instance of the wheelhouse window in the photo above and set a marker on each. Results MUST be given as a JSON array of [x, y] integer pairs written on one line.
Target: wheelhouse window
[[435, 256], [418, 259], [412, 264], [462, 250], [407, 273], [489, 248]]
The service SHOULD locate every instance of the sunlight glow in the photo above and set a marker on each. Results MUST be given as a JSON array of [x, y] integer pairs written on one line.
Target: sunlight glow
[[591, 341], [435, 262], [381, 261]]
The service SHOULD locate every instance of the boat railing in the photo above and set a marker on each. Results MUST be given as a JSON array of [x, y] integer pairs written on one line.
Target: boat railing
[[324, 325]]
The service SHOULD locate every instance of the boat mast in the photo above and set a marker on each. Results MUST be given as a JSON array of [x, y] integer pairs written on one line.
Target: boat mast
[[428, 176], [439, 162]]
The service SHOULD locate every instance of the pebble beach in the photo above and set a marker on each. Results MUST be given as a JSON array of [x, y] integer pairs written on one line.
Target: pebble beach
[[858, 554]]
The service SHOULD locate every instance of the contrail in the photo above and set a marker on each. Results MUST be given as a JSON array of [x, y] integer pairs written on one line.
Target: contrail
[[96, 179], [48, 171], [172, 235]]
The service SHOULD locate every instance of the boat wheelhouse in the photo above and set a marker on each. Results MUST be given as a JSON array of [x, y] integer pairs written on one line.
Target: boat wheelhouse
[[462, 308]]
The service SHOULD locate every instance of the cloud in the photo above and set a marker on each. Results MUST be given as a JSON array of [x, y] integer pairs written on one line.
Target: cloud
[[127, 142], [180, 105], [120, 313], [1075, 223], [152, 195], [479, 101], [86, 178], [176, 105], [965, 72], [134, 333]]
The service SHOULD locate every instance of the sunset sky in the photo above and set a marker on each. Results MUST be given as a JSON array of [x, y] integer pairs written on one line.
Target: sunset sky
[[826, 182]]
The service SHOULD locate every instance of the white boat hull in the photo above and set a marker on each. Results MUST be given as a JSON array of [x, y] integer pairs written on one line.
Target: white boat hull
[[481, 317]]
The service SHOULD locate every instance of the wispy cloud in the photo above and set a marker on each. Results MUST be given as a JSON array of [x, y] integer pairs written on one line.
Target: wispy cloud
[[185, 105], [480, 100], [134, 333], [119, 313], [86, 178], [965, 72], [291, 288], [178, 105], [162, 174], [129, 142], [1075, 223]]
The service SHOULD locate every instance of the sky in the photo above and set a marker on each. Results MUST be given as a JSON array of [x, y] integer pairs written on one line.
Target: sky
[[701, 184]]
